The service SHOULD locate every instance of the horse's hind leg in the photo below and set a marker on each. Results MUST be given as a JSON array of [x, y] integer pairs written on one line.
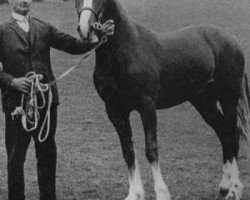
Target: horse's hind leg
[[230, 141], [225, 126], [120, 120], [147, 111]]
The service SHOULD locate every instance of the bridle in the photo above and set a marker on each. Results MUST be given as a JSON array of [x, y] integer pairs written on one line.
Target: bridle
[[98, 15], [97, 25]]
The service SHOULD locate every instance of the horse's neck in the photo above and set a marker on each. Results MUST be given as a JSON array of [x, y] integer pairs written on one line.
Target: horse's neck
[[125, 30], [119, 47]]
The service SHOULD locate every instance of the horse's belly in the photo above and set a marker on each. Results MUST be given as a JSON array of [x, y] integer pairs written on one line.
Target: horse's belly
[[162, 103], [181, 87], [169, 98]]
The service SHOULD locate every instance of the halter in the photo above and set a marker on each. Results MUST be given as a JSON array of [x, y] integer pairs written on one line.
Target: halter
[[97, 25], [98, 15]]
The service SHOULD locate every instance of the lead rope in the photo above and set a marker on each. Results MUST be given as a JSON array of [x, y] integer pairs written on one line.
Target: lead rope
[[31, 113], [103, 40]]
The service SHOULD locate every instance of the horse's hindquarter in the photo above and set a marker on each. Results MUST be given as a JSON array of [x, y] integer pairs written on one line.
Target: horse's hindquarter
[[187, 65], [195, 56]]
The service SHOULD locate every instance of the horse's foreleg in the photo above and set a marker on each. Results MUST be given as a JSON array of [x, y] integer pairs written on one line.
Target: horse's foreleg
[[120, 120], [147, 111], [136, 191], [161, 189]]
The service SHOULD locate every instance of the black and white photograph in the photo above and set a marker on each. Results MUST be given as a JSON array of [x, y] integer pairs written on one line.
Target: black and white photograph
[[125, 100]]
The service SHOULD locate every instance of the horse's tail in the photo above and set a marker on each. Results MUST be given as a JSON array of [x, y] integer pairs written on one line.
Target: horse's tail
[[243, 113]]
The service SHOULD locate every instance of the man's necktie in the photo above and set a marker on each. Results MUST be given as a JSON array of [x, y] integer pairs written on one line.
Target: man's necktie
[[26, 26]]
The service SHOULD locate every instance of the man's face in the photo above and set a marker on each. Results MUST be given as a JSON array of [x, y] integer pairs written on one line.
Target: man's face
[[21, 7]]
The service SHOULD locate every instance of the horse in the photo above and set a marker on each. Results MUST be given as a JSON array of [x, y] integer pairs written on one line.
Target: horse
[[141, 70]]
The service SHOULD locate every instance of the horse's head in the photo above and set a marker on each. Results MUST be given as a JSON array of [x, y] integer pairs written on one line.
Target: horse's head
[[90, 15]]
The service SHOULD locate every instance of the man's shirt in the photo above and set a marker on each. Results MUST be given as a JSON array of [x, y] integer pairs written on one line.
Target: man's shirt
[[22, 21]]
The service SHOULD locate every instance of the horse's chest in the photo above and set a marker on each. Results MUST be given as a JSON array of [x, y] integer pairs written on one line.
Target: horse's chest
[[106, 85]]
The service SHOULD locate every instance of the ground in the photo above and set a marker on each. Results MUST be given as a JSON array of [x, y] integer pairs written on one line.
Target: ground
[[90, 164]]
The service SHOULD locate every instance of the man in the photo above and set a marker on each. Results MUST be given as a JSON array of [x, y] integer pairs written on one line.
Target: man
[[25, 46]]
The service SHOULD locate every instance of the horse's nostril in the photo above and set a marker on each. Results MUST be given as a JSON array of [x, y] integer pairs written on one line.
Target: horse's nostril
[[78, 29]]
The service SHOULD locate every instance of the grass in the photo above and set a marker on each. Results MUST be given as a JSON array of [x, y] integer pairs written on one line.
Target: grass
[[90, 164]]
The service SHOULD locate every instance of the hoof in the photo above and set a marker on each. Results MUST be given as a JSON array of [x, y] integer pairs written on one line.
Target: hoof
[[233, 193]]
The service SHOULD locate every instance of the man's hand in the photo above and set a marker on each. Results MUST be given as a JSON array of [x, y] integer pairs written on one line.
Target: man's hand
[[21, 84], [108, 28]]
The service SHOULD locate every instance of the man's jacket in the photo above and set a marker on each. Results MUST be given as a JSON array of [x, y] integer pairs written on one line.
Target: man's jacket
[[19, 56]]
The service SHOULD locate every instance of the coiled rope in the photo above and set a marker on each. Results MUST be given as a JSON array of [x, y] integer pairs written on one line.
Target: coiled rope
[[29, 108]]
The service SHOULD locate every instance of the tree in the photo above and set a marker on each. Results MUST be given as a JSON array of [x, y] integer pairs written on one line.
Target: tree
[[3, 1]]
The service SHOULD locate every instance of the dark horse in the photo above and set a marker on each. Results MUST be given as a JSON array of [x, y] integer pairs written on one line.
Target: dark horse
[[137, 69]]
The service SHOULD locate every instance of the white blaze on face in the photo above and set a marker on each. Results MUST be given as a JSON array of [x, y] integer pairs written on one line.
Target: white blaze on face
[[84, 17]]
